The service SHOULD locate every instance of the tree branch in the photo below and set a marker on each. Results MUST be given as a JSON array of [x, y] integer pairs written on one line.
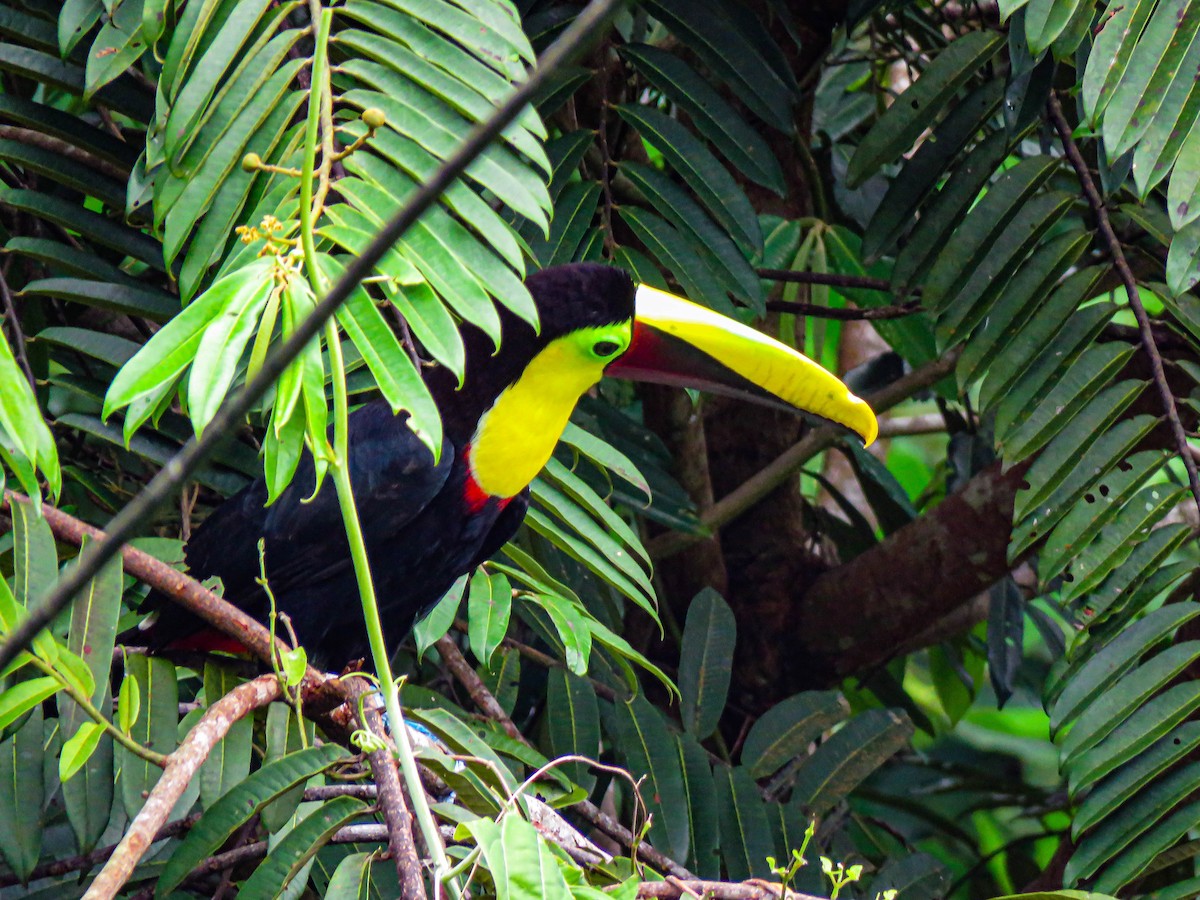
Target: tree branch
[[789, 462], [14, 324], [795, 276], [182, 766], [844, 314], [391, 800], [675, 888], [1104, 226], [62, 148], [177, 586], [899, 587]]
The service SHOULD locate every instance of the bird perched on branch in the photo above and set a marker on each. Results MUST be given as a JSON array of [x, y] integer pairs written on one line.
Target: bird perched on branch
[[427, 522]]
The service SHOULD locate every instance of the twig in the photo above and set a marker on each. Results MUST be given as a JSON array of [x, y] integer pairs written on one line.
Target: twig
[[85, 861], [845, 313], [469, 679], [784, 466], [181, 588], [391, 800], [182, 766], [491, 707], [795, 276], [62, 148], [926, 423], [14, 324], [1104, 226], [545, 659]]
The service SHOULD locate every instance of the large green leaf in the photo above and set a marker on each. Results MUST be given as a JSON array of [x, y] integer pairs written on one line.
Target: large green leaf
[[706, 662]]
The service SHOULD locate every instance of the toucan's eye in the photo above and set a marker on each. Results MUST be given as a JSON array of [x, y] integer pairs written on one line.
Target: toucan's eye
[[605, 349]]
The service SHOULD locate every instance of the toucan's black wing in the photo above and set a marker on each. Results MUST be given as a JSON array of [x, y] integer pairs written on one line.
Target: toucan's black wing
[[394, 477], [503, 528]]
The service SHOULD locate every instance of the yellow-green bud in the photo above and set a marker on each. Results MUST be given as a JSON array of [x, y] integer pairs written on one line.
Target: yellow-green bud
[[252, 162], [374, 117]]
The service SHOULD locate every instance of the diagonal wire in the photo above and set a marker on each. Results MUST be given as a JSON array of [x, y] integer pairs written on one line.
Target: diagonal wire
[[586, 26]]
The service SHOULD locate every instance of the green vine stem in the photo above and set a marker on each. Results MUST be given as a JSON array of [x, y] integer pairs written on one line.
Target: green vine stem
[[319, 107], [98, 717]]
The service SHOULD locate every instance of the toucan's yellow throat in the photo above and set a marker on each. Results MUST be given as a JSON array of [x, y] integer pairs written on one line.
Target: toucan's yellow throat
[[669, 341]]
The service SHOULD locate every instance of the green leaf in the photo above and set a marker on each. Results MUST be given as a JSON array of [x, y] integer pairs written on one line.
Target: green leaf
[[920, 175], [90, 225], [1114, 793], [1183, 259], [573, 215], [239, 804], [573, 629], [984, 225], [1078, 385], [649, 750], [745, 63], [21, 789], [905, 120], [1084, 521], [157, 306], [947, 210], [786, 730], [572, 721], [1151, 721], [725, 260], [1059, 458], [393, 369], [1123, 698], [1045, 20], [172, 348], [678, 256], [489, 605], [581, 492], [437, 622], [711, 115], [701, 170], [284, 737], [745, 834], [1108, 61], [35, 558], [18, 699], [704, 815], [706, 662], [155, 726], [841, 763], [521, 863], [79, 749], [1022, 298], [1156, 61], [291, 854], [604, 455], [229, 762]]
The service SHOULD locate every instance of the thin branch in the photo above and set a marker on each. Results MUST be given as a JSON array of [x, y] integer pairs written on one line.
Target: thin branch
[[132, 518], [785, 466], [845, 313], [85, 861], [182, 767], [545, 660], [469, 679], [926, 423], [1104, 226], [62, 148], [177, 586], [396, 815], [794, 276], [14, 325]]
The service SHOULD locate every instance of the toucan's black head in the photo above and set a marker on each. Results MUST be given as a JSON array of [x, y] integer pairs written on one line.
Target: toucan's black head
[[580, 295]]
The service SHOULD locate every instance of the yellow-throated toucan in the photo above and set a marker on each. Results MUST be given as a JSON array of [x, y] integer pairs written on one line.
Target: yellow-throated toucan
[[426, 524]]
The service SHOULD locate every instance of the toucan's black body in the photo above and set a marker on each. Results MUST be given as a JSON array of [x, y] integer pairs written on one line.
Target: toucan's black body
[[426, 522], [423, 525]]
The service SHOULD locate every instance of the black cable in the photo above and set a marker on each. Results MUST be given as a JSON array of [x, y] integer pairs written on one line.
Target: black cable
[[128, 521]]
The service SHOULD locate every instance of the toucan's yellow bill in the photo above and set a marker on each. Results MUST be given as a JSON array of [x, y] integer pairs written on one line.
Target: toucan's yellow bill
[[682, 343]]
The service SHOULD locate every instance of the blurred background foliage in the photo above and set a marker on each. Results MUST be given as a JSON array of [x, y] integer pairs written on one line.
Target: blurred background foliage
[[967, 653]]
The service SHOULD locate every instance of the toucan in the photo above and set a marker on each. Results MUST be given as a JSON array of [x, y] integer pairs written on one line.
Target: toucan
[[428, 522]]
